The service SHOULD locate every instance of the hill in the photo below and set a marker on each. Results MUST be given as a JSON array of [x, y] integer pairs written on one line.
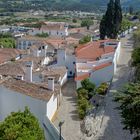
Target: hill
[[82, 5]]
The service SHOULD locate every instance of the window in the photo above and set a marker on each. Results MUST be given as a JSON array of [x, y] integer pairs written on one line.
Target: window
[[70, 72], [29, 44], [74, 63]]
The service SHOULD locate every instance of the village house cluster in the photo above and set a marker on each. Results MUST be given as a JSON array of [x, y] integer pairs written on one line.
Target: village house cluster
[[33, 74]]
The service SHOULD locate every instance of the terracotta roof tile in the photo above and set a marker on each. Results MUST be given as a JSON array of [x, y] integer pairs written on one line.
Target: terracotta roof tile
[[82, 77], [38, 91], [6, 54], [101, 66], [93, 50]]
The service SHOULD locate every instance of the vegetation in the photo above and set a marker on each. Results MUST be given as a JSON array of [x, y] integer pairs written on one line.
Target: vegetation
[[7, 41], [42, 35], [87, 23], [125, 25], [84, 95], [21, 126], [102, 89], [85, 39], [113, 19], [129, 98]]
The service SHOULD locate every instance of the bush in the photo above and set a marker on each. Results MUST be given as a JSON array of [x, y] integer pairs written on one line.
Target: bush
[[21, 126], [102, 89], [86, 84], [42, 35], [82, 93], [83, 106], [85, 39]]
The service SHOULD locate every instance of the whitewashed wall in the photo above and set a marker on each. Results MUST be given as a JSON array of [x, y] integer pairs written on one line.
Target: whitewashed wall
[[63, 80], [70, 64], [11, 101], [102, 75], [51, 107], [116, 56]]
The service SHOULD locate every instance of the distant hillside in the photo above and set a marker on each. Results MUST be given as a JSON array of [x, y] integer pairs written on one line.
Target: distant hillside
[[83, 5]]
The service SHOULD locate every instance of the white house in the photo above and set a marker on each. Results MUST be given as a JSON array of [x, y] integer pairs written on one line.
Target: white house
[[97, 61], [55, 29], [43, 99]]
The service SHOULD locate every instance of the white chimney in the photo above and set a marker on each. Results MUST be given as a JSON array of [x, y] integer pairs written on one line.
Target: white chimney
[[29, 69], [51, 83]]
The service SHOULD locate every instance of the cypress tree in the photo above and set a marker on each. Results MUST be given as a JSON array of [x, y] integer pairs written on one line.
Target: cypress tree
[[117, 18], [102, 28], [111, 23]]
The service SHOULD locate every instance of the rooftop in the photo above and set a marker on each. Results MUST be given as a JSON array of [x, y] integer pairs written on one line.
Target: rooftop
[[6, 54], [94, 50], [37, 61], [57, 71], [12, 69], [38, 91]]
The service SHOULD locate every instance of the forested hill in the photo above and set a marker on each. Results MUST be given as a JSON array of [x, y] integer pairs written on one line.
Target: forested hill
[[83, 5]]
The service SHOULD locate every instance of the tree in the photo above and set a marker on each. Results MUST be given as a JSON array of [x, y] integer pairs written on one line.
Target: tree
[[136, 56], [74, 20], [111, 21], [129, 99], [103, 28], [117, 18], [21, 126], [87, 23], [102, 89], [83, 106], [82, 93], [86, 84], [85, 39]]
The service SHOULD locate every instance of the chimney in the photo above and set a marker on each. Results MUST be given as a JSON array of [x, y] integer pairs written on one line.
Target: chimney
[[51, 83], [28, 73]]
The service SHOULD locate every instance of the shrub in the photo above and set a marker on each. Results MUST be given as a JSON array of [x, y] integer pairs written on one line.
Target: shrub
[[102, 89]]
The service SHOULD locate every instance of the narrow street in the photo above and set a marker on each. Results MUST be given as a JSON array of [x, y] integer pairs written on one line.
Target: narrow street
[[112, 129], [68, 113]]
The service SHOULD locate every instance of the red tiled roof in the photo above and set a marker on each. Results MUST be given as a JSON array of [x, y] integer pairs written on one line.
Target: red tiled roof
[[93, 50], [6, 54], [102, 66], [82, 77]]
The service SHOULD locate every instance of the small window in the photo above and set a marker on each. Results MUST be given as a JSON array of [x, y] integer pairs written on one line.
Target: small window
[[70, 72], [74, 63]]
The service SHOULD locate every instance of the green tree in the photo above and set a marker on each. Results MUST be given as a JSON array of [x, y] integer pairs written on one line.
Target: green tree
[[87, 23], [136, 56], [82, 93], [21, 126], [129, 99], [111, 21], [117, 18], [83, 106], [85, 39], [86, 84], [103, 28]]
